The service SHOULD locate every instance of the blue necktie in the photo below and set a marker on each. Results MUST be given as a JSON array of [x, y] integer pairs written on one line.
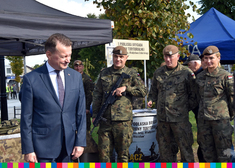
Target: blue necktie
[[60, 87]]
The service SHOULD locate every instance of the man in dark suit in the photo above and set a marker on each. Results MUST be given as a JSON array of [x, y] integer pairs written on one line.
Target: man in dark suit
[[53, 118]]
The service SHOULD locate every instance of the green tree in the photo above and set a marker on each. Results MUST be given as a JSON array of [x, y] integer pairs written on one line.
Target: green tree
[[226, 7], [94, 60], [17, 66], [157, 21], [37, 66], [93, 57], [233, 68]]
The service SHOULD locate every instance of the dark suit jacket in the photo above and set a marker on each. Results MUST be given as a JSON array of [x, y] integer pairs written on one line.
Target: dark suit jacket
[[44, 122]]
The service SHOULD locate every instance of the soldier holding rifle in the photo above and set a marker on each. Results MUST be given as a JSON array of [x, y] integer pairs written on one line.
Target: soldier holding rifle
[[116, 132]]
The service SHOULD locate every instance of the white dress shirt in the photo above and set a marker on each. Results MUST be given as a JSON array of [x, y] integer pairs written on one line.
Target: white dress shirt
[[53, 75]]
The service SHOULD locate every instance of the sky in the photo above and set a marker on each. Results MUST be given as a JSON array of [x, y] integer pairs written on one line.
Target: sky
[[75, 7]]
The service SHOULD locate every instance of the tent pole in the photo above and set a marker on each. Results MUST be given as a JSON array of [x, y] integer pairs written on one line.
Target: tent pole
[[4, 110], [24, 65], [234, 105], [145, 83], [24, 53]]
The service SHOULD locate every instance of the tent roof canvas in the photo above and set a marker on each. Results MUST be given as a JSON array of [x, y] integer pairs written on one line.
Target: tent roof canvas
[[26, 24], [214, 28]]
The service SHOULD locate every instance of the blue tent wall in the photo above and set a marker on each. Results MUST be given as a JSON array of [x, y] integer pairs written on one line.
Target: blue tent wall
[[213, 28]]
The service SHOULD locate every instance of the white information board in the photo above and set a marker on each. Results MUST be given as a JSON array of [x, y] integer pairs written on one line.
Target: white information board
[[136, 49]]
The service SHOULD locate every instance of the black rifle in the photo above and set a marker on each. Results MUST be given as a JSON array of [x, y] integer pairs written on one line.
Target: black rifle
[[110, 99]]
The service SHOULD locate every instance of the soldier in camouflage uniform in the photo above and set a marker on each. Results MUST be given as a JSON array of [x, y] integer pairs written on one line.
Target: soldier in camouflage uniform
[[215, 91], [88, 88], [117, 131], [172, 92], [194, 63], [137, 101]]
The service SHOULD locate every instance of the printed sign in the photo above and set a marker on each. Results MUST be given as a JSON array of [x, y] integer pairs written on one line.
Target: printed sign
[[144, 147], [136, 49]]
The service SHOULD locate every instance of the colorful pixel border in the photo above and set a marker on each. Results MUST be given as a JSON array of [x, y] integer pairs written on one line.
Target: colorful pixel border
[[117, 165]]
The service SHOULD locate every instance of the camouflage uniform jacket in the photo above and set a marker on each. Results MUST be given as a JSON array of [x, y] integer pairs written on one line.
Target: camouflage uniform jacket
[[215, 95], [173, 93], [88, 88], [121, 110]]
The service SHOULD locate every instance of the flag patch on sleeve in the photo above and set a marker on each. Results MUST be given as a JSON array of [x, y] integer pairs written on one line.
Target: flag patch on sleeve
[[230, 77]]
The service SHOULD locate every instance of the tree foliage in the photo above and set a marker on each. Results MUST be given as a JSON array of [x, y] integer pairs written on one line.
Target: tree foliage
[[37, 65], [157, 21], [96, 57], [93, 58], [226, 7], [233, 68], [17, 65]]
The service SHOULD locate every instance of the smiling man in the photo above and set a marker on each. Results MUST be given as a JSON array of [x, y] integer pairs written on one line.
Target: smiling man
[[53, 118], [117, 131], [172, 92]]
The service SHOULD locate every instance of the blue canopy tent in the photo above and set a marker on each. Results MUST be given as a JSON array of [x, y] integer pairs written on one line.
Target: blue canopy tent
[[212, 28]]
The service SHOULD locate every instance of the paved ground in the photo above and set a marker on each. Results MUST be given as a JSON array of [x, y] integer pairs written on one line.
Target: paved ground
[[10, 104]]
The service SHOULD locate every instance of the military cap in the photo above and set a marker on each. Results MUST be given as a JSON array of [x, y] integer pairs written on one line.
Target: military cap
[[77, 62], [192, 57], [210, 50], [170, 50], [120, 50]]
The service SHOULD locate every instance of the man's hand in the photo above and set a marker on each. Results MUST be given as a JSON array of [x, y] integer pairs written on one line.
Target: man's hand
[[150, 103], [119, 91], [77, 152], [87, 111], [93, 119], [30, 157]]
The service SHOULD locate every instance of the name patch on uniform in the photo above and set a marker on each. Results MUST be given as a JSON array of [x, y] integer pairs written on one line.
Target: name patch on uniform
[[230, 77]]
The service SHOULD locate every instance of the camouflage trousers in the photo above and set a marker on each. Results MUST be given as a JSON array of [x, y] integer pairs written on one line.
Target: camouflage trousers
[[215, 139], [170, 136], [118, 135]]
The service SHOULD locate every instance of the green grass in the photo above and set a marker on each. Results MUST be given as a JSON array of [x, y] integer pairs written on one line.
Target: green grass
[[194, 128], [94, 133]]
